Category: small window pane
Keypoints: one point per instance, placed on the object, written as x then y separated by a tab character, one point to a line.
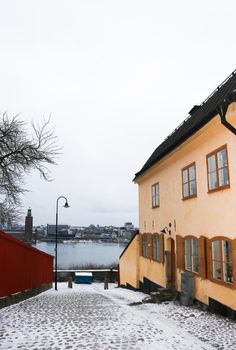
153	190
194	247
195	263
186	192
145	246
226	251
223	177
217	270
216	250
192	173
222	158
212	180
211	163
194	255
185	176
228	276
187	255
158	248
154	201
192	188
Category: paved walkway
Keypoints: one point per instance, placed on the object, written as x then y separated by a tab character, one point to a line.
89	317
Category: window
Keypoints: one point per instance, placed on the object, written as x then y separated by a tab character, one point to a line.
217	167
222	260
155	195
191	255
156	247
189	187
145	245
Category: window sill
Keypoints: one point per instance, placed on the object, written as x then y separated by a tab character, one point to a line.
156	206
219	188
223	284
194	273
189	197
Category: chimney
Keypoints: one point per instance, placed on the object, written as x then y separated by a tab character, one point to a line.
194	109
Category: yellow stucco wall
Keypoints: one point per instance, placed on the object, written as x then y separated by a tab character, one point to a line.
209	214
152	270
129	264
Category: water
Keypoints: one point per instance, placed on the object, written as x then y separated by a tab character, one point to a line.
72	254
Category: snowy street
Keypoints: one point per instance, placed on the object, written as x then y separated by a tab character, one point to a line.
89	317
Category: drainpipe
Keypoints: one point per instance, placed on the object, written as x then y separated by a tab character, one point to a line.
222	110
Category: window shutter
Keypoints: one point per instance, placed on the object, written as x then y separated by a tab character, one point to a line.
202	257
162	248
208	258
141	244
234	261
180	252
149	237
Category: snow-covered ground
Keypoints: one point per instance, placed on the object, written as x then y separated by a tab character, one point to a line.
89	317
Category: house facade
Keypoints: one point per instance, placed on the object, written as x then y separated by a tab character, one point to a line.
187	207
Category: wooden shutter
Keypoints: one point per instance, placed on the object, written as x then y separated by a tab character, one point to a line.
162	248
234	261
208	258
180	252
141	244
202	257
149	239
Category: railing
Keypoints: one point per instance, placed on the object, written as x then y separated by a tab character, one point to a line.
22	267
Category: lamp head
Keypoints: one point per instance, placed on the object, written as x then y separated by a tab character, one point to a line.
66	205
164	230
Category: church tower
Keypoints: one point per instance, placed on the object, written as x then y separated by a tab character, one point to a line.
28	226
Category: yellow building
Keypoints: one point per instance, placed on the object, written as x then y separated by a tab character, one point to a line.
187	208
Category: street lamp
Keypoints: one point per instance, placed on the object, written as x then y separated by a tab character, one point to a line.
66	205
166	229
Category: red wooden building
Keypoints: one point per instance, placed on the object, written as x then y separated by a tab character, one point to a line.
22	267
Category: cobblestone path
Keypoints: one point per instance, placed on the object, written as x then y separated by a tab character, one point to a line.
87	317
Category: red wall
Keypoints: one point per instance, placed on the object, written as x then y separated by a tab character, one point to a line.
22	266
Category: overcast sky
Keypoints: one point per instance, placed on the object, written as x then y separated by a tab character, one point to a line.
117	77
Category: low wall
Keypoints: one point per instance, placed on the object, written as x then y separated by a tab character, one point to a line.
98	275
25	294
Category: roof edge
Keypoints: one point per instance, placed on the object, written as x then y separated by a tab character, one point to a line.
137	233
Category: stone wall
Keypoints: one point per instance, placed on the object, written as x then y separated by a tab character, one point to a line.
25	294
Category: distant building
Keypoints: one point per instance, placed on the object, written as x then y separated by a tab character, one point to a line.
128	226
28	226
62	230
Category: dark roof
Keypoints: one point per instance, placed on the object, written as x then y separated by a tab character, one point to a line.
199	116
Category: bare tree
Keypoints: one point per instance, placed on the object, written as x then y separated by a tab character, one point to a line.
20	153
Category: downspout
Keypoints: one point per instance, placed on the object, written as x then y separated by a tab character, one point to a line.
222	110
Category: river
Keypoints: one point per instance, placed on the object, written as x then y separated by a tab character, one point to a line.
70	255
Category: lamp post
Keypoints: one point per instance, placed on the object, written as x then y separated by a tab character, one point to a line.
66	205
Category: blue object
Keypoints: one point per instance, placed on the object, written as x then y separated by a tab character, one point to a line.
83	277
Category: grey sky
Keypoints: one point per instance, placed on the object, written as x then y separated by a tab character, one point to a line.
117	77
